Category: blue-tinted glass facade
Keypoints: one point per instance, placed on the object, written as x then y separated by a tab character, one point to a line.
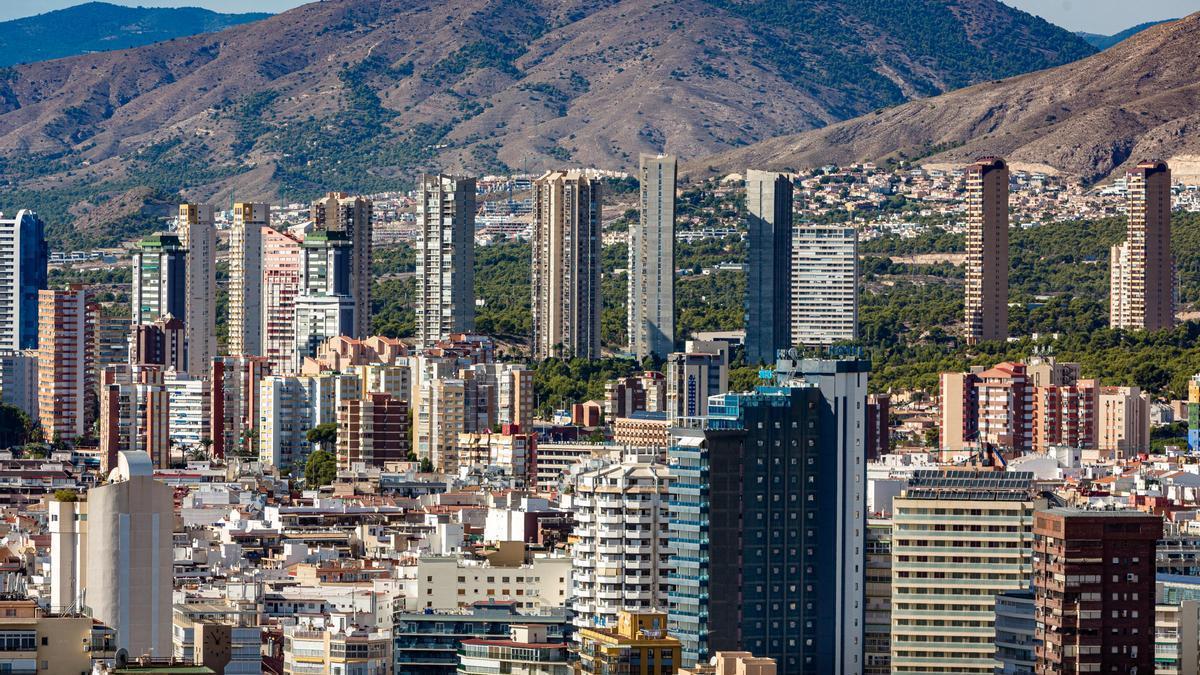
754	532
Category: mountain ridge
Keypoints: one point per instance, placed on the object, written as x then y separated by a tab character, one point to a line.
358	95
1089	118
102	26
1103	42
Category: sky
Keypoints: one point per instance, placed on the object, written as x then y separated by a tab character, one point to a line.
1094	16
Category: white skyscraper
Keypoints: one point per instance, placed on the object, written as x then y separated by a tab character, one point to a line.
652	262
445	258
198	234
824	284
246	278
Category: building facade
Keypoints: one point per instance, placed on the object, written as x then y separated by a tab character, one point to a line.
353	217
768	521
959	539
651	303
700	371
67	377
198	235
23	259
769	265
280	287
1143	270
621	557
445	258
1093	578
824	302
987	251
246	277
566	266
325	307
159	278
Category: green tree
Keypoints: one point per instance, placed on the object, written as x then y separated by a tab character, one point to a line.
320	469
15	426
426	465
323	434
66	496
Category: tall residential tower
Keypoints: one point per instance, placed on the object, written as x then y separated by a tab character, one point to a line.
652	262
769	266
352	216
246	278
987	251
566	265
445	258
1142	276
824	284
23	258
198	234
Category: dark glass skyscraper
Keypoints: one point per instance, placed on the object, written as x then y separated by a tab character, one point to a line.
767	521
23	259
769	265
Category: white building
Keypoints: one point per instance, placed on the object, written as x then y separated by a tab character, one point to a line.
116	548
450	582
289	406
189	411
621	558
700	371
824	284
445	258
198	234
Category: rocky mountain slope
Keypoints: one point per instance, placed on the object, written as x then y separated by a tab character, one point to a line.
101	26
1138	99
1105	41
361	94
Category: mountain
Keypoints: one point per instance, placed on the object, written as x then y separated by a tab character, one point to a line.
1138	99
362	94
1105	41
100	26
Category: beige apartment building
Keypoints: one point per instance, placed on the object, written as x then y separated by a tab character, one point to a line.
198	235
246	278
1142	273
566	265
1122	423
958	539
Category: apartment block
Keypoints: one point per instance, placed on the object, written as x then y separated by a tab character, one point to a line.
66	368
353	218
372	430
445	258
700	371
769	265
280	287
246	277
824	302
959	539
1093	574
621	556
23	259
1142	269
198	235
566	265
651	303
